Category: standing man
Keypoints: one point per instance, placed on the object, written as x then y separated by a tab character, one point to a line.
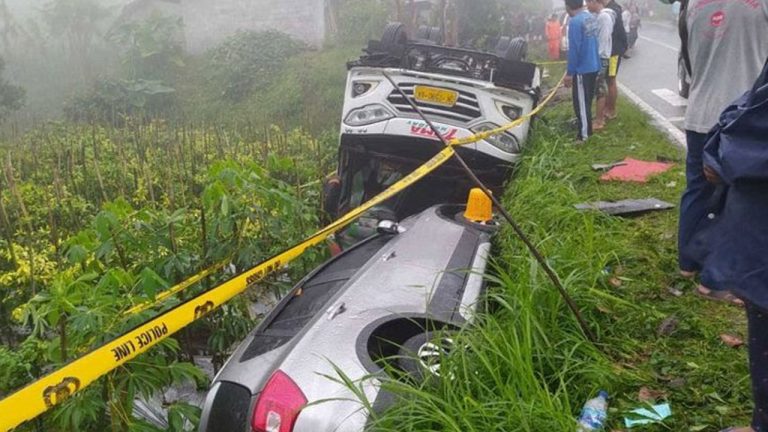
724	44
605	20
617	52
583	64
554	37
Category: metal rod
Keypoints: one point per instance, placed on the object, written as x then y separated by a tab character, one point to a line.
515	226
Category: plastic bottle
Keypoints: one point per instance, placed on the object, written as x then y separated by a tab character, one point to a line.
594	413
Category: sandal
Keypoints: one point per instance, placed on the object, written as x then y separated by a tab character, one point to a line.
721	296
688	274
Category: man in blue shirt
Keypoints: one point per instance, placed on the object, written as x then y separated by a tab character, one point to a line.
583	63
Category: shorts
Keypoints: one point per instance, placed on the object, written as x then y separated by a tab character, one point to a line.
601	87
613	67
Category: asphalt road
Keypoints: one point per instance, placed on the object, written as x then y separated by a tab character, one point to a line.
651	72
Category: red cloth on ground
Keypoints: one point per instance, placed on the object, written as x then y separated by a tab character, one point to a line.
635	170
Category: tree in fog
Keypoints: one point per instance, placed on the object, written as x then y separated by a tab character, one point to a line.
10	29
11	96
77	23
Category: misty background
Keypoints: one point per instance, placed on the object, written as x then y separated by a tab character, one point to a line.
202	60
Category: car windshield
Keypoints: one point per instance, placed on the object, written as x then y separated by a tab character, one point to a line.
366	174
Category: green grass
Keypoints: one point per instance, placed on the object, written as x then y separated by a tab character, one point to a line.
526	366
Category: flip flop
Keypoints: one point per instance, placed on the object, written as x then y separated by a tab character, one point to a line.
721	296
687	274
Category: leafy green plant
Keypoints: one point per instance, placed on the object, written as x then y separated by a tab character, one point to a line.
111	101
183	199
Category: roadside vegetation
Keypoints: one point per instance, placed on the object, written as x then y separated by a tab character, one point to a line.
526	365
153	164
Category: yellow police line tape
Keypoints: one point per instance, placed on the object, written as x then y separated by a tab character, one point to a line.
159	298
489	133
555	62
54	388
181	286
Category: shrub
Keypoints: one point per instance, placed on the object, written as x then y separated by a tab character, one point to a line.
111	101
248	61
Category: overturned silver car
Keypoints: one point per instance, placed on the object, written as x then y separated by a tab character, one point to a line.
384	304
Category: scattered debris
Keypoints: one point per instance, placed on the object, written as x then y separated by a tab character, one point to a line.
668	326
675	292
626	207
594	413
647	395
656	414
677	383
155	409
615	282
635	170
731	340
606	167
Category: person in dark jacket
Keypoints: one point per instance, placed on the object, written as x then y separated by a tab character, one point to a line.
724	45
736	160
619	47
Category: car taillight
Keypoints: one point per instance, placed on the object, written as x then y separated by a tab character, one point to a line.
278	405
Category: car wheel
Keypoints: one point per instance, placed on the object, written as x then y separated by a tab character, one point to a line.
683	86
421	356
502	46
512	49
518	50
436	35
423	32
430	34
395	38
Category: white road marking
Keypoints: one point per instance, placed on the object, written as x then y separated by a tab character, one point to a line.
676	135
661	44
670	97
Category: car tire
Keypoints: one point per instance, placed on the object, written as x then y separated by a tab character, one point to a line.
436	35
394	39
518	50
423	32
512	49
683	86
420	357
502	46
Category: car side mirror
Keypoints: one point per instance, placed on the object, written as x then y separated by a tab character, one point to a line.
331	196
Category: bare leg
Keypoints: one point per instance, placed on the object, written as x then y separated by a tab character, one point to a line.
599	122
613	95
